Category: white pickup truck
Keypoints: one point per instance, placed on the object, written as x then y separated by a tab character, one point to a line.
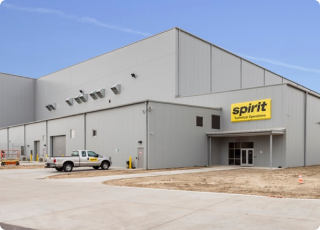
79	158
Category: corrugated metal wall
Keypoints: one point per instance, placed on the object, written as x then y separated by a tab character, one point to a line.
64	126
3	139
252	75
313	130
118	133
201	63
16	100
225	99
36	132
152	60
225	71
174	138
295	113
194	65
272	79
16	137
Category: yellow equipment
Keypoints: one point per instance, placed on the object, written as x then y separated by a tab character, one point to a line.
10	157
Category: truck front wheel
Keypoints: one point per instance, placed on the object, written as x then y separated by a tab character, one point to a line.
105	165
96	167
67	167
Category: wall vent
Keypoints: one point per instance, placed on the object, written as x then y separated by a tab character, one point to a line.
83	97
116	89
94	95
69	101
51	106
77	99
101	93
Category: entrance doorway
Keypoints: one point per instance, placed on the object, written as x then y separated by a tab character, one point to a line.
241	153
247	157
140	158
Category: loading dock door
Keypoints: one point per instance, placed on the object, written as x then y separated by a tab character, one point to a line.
58	146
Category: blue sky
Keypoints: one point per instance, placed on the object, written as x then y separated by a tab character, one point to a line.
39	37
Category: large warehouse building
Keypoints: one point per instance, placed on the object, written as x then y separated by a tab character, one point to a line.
171	100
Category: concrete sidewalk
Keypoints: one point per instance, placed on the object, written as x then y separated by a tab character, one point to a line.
57	204
100	179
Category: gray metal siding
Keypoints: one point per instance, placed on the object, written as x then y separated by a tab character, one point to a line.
313	130
36	132
3	139
16	100
225	99
152	60
252	75
295	127
174	138
16	137
272	79
194	69
60	127
225	71
118	133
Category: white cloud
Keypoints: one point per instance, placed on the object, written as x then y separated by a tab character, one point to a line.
274	62
88	20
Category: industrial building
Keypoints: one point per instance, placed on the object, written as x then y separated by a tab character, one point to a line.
170	100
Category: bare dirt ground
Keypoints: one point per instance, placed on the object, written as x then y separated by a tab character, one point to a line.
22	167
274	183
96	173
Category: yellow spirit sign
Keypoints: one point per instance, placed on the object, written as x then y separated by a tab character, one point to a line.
250	111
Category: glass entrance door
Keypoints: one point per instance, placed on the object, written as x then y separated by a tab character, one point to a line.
247	157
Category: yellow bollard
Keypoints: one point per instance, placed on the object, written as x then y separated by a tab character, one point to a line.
130	162
37	158
30	157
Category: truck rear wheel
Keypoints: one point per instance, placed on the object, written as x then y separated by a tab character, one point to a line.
67	167
59	169
105	165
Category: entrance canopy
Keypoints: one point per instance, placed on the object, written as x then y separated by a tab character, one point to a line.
252	132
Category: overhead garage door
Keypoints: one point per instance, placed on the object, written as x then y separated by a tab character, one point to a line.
58	146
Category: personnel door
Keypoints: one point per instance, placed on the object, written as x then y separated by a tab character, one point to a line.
140	158
247	157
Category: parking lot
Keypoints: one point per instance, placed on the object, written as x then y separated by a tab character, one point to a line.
29	201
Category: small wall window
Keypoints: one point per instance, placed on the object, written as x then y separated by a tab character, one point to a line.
215	122
200	121
94	132
72	133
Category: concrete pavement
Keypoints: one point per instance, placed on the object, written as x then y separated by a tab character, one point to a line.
87	204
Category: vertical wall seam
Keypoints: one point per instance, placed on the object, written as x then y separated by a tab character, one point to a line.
47	153
240	73
147	136
85	130
7	138
179	60
305	128
178	64
264	77
210	68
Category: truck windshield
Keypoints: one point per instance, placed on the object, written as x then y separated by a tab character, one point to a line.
75	154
